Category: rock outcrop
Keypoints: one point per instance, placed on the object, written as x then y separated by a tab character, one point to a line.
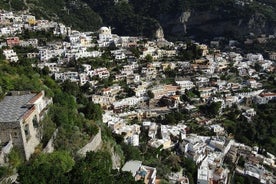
159	33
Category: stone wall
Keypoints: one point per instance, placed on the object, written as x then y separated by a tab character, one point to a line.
11	129
93	145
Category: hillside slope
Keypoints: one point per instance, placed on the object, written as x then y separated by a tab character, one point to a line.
210	18
178	18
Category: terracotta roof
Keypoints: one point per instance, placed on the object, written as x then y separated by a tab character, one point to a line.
28	113
36	97
268	94
106	89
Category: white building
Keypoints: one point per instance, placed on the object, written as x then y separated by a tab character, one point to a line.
53	67
10	55
210	170
265	98
105	34
140	172
194	147
255	57
72	76
47	54
130	101
102	73
185	84
29	42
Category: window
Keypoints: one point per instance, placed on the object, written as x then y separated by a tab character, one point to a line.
27	132
35	122
15	134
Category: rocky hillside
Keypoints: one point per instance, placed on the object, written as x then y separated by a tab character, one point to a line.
71	12
203	19
177	18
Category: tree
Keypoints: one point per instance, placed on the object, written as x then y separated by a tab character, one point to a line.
189	168
15	158
148	58
131	152
4	170
46	168
191	52
85	88
64	99
92	111
48	129
135	51
174	161
124	177
70	88
95	167
212	109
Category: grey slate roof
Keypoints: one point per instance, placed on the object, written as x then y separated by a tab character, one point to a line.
13	107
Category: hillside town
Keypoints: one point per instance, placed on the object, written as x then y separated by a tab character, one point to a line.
149	94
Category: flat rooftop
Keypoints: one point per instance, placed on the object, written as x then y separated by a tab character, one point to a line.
12	108
132	166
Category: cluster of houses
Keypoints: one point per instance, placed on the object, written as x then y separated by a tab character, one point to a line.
127	114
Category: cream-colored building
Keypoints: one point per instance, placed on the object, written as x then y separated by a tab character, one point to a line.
20	118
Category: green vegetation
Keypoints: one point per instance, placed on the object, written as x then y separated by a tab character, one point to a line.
5	5
72	13
173	118
211	110
15	159
15	5
191	52
42	36
76	119
260	131
262	48
60	167
124	18
241	179
21	76
47	168
84	171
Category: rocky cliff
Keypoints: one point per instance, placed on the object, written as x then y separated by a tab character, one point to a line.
207	19
208	24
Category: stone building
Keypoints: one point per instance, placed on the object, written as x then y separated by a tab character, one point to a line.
20	114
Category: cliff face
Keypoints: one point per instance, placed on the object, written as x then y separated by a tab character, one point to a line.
207	19
205	24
